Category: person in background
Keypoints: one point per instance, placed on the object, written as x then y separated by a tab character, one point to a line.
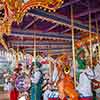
14	93
81	62
36	82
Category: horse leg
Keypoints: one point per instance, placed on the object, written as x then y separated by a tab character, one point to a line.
73	95
61	90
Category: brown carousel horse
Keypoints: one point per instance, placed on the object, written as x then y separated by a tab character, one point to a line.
65	83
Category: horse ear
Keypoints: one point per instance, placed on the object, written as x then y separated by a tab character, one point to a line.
88	67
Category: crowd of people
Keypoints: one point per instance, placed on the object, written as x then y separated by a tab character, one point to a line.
46	78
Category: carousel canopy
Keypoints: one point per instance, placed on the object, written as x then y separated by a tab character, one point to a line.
52	30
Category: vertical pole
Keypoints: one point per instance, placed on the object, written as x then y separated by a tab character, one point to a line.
90	37
35	49
17	59
50	65
97	30
73	44
35	60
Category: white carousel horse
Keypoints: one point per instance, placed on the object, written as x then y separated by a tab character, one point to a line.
20	56
84	86
23	96
23	83
96	81
46	64
28	58
50	91
11	55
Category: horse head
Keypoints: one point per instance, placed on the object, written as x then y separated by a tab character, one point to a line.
63	58
84	87
89	72
96	80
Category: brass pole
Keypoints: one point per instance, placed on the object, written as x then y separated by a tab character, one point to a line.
90	37
97	30
73	44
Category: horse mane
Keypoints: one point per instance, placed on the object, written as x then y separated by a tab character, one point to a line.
63	57
61	62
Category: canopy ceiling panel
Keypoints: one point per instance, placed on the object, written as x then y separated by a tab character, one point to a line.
53	29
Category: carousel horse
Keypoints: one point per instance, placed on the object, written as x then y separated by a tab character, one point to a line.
48	69
96	81
7	84
50	93
96	51
84	87
65	83
45	61
24	96
22	85
13	57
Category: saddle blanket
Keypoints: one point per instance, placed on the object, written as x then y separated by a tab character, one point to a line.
52	99
86	98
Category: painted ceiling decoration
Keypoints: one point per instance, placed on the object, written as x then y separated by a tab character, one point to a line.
14	10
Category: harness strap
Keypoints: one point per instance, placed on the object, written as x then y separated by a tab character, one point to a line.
96	84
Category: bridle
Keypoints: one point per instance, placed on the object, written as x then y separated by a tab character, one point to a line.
88	75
